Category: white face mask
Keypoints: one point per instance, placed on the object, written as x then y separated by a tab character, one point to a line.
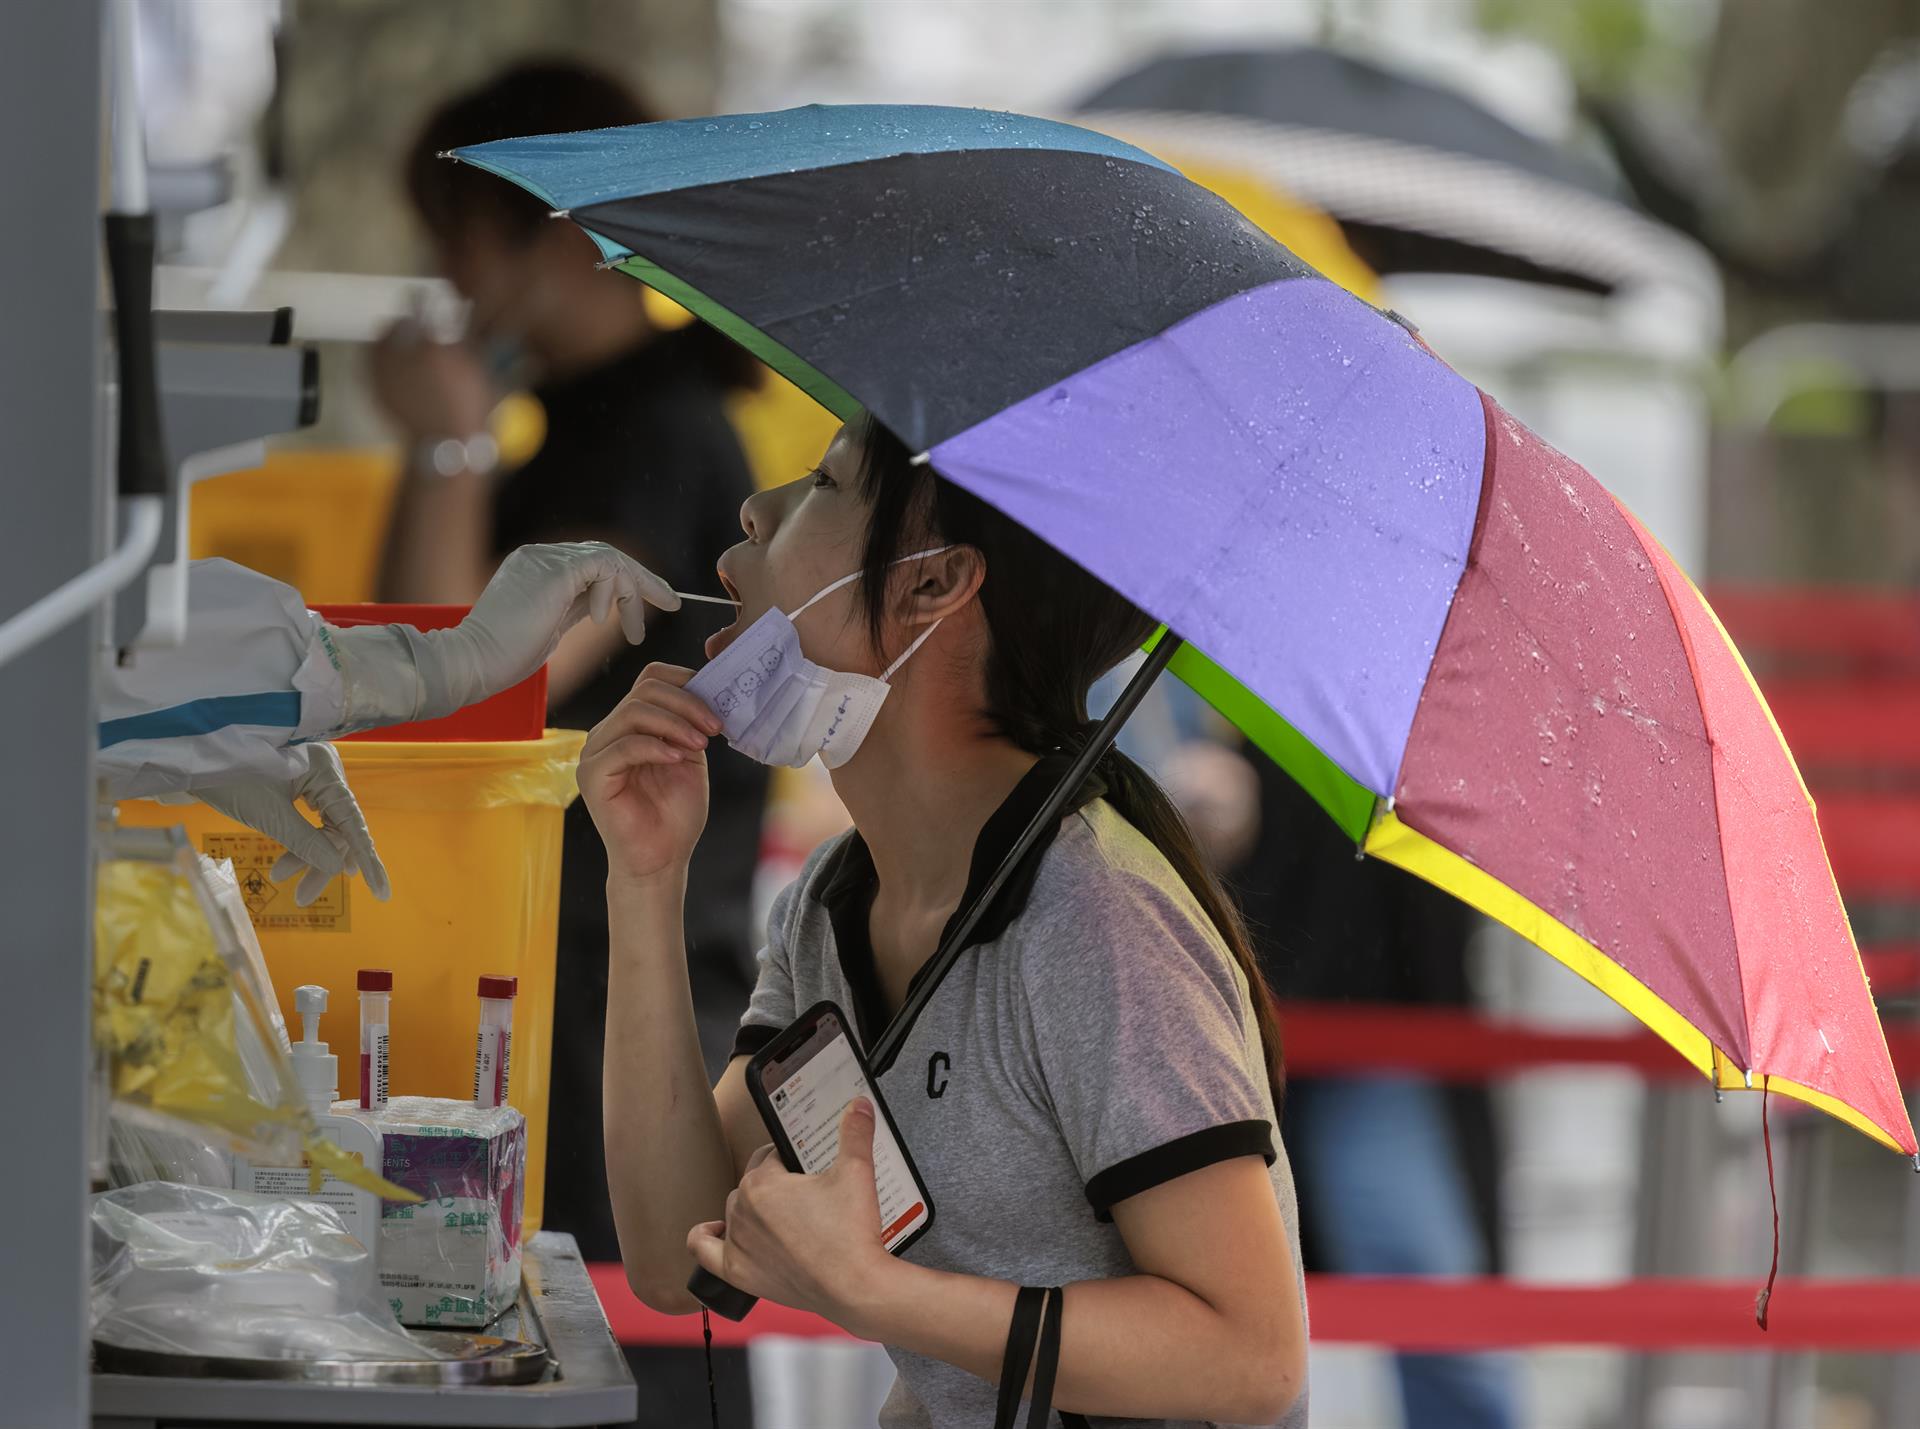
779	707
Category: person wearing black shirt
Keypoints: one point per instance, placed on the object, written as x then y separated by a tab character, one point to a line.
639	453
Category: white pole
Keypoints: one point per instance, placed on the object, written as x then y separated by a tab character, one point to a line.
129	180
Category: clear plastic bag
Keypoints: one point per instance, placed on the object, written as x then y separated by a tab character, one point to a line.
203	1271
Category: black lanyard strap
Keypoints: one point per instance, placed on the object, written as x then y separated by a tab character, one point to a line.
1013	1364
887	1046
1047	1362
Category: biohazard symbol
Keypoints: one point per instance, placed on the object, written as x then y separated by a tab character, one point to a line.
256	890
270	902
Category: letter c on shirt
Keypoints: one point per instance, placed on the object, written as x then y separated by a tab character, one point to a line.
937	1067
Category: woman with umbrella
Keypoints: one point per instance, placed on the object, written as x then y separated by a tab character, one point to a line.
1091	1090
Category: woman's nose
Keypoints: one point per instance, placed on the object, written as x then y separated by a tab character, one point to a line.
756	517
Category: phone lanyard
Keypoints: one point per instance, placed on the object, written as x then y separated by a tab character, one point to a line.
1036	1308
713	1395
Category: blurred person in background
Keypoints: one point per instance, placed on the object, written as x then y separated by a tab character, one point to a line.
638	452
1397	1175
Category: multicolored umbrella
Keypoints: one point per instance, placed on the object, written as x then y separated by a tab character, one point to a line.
1452	636
1422	178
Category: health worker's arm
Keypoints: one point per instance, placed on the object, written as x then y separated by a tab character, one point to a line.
250	679
675	1148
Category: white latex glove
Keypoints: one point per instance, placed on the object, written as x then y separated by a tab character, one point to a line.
340	842
394	673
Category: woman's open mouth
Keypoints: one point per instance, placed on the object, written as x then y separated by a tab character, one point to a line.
722	638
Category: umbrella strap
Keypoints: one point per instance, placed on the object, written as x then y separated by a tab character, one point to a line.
1773	1194
887	1045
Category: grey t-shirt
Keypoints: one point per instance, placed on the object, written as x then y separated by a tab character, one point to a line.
1098	1043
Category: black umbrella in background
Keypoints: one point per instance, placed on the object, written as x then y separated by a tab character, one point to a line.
1421	178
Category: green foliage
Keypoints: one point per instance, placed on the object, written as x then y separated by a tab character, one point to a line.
1608	45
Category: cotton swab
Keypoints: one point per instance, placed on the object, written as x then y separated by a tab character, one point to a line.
707	599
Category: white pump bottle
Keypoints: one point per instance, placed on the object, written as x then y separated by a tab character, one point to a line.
318	1072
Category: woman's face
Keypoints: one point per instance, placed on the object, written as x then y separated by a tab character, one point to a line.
802	537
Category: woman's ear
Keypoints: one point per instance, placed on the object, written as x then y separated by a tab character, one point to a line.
940	585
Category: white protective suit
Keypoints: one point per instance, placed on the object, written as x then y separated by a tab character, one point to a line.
238	715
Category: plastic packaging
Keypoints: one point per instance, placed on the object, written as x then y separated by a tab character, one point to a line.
470	834
181	1014
145	1146
376	1009
454	1259
203	1271
493	1043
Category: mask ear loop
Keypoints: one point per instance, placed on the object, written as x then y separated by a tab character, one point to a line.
847	580
920	640
886	675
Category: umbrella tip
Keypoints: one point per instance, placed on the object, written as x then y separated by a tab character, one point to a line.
1916	1161
559	213
920	460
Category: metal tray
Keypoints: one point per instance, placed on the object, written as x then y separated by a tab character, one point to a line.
474	1360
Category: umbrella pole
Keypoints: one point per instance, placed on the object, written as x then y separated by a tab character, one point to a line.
881	1055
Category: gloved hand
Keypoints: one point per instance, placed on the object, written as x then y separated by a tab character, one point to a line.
394	673
339	844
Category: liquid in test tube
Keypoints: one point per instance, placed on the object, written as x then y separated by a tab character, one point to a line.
493	1048
376	996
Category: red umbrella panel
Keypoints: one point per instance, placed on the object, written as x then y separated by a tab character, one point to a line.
1592	764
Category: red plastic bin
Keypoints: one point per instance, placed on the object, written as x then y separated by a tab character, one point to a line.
518	713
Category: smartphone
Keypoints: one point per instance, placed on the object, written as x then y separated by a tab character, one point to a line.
802	1082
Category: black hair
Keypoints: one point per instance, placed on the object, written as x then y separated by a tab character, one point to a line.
546	96
1052	629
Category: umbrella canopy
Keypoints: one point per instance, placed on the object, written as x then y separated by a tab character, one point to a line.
1450	634
1423	178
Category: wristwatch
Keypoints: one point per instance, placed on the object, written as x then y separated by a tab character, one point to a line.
449	456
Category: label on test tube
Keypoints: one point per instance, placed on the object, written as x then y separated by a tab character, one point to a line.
373	1064
493	1046
376	996
492	1065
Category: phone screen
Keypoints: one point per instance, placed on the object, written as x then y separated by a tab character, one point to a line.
810	1089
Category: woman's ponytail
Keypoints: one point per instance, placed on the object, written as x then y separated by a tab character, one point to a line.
1138	798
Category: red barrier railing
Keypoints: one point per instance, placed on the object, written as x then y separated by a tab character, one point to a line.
1814	627
1452	1045
1481	1313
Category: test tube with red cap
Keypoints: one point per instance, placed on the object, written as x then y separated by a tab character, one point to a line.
493	1050
376	995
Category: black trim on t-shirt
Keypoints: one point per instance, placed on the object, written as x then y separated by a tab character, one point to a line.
752	1037
1176	1158
847	884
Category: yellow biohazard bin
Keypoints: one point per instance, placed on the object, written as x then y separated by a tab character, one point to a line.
470	834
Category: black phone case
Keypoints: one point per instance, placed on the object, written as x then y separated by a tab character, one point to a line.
802	1027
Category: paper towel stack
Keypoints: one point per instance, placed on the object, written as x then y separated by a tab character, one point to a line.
452	1261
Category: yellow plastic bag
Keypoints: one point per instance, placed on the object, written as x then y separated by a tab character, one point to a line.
172	1007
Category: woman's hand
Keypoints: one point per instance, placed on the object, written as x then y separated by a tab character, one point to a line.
811	1242
643	773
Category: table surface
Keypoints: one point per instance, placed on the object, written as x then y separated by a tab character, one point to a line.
589	1382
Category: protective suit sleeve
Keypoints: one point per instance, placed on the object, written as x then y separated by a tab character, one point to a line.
255	675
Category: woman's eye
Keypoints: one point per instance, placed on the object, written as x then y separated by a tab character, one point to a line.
821	479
